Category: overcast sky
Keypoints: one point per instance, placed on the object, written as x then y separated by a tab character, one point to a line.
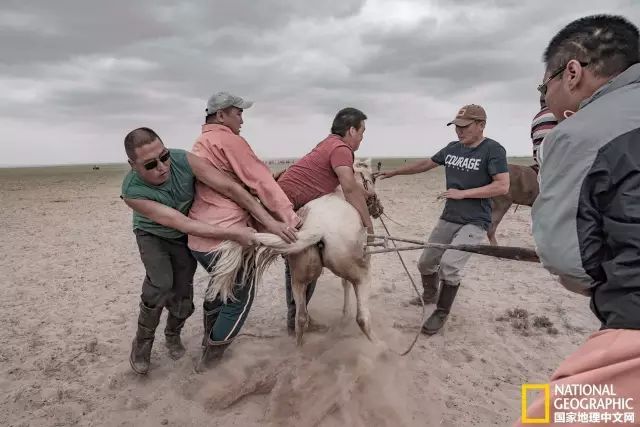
76	76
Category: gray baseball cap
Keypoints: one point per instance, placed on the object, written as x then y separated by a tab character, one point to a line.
222	100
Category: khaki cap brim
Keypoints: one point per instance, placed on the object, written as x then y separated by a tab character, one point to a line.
460	122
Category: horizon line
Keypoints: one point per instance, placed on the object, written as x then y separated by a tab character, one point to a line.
42	165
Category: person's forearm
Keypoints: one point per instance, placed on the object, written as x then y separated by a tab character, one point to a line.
485	192
219	182
246	201
255	175
287	215
356	198
413	168
197	228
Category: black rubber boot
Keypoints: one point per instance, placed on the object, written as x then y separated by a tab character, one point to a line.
140	357
436	321
429	289
211	354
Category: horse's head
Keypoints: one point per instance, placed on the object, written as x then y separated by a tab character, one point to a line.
365	177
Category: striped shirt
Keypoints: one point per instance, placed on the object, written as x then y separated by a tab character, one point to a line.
542	124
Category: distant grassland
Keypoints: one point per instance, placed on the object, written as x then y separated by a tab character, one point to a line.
274	165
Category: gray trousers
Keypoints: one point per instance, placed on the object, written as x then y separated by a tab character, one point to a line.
449	263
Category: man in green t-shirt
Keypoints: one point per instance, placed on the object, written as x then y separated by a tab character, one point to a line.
160	189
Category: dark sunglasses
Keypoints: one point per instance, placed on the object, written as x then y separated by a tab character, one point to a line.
152	164
543	87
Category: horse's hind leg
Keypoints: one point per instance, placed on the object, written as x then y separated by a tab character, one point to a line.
306	267
362	288
346	308
299	289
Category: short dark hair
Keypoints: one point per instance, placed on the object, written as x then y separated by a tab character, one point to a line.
608	43
137	138
211	118
346	119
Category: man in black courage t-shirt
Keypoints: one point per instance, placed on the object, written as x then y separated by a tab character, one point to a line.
476	170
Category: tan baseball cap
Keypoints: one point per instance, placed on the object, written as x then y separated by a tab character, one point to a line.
467	114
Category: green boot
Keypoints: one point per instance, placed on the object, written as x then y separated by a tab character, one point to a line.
436	321
140	357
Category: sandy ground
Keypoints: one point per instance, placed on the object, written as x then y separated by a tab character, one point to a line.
70	280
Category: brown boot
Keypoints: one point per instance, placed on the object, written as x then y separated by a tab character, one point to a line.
430	289
211	354
140	357
172	337
436	321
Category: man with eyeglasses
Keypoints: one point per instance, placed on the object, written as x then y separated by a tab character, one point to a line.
476	170
160	190
586	220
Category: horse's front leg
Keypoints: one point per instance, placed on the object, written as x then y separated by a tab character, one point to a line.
346	308
362	288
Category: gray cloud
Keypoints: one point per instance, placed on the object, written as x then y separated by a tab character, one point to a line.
103	67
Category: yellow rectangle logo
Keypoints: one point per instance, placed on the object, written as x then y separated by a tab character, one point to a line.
547	403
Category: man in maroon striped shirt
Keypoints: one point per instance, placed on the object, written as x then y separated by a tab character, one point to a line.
542	124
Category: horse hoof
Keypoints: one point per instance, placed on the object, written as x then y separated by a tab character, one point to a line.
314	326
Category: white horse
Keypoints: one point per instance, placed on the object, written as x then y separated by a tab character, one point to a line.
332	236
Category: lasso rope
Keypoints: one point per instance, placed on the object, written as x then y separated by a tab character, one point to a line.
415	288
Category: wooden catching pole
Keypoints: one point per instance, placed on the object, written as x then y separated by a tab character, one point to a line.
506	252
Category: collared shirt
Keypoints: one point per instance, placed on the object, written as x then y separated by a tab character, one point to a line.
232	155
314	175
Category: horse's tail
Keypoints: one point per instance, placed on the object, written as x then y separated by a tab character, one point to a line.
231	258
278	246
227	261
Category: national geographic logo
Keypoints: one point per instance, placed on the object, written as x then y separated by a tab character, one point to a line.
577	404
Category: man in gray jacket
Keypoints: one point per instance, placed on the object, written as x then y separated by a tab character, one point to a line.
586	220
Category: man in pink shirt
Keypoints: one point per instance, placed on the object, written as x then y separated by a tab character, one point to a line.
319	173
221	144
